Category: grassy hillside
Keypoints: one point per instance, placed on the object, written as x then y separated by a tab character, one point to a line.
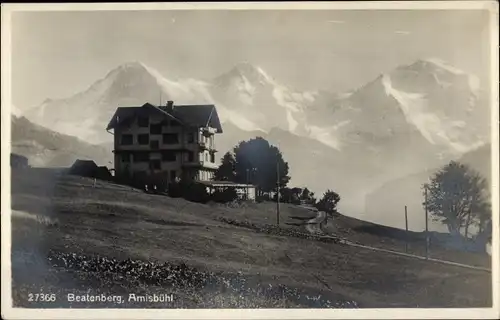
386	204
46	148
65	233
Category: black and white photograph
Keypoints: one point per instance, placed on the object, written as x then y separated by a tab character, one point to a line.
259	160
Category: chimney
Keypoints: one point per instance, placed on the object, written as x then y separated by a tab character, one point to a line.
170	106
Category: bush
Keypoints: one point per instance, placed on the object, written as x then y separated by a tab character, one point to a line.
189	190
175	190
137	180
226	195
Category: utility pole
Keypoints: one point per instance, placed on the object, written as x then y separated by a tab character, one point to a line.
406	235
247	183
426	225
278	192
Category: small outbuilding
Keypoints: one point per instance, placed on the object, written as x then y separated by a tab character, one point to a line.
89	169
18	161
244	191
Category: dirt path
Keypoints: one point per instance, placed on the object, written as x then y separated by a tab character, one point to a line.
314	227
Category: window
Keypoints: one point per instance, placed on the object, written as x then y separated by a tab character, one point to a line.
190	137
141	157
173	175
212	157
206	156
127	139
169	156
190	156
170	138
155	128
143	122
125	157
155	144
155	164
143	138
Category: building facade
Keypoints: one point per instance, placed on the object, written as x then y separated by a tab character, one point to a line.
167	143
18	161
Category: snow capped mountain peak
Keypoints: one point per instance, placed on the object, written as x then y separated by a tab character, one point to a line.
246	72
433	66
433	74
131	68
442	64
416	95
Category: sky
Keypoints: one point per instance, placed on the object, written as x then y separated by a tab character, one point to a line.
57	54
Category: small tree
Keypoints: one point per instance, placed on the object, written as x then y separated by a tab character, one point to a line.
227	169
456	196
329	202
307	196
259	163
291	195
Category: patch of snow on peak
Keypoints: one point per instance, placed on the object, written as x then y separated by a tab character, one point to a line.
185	91
227	115
324	136
285	99
412	105
309	95
264	74
432	128
440	82
246	89
444	65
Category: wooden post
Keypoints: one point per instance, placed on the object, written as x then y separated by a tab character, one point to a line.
426	226
406	235
247	186
278	193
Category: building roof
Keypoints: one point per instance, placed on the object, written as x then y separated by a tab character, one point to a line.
78	164
198	115
192	115
15	156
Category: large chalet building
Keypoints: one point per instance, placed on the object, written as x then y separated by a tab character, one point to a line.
168	142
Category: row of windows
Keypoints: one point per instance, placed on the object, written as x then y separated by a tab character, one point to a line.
156	165
167	156
144	139
143	122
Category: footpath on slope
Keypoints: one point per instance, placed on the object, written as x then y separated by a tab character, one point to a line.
314	227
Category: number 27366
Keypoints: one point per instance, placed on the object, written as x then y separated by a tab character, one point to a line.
41	297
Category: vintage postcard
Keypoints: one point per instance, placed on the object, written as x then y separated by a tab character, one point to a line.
250	160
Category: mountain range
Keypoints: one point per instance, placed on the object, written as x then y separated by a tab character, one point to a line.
411	119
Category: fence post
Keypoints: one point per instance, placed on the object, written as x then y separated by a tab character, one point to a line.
406	234
426	226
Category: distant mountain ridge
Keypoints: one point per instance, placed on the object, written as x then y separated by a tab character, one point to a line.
46	148
429	95
387	202
415	117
